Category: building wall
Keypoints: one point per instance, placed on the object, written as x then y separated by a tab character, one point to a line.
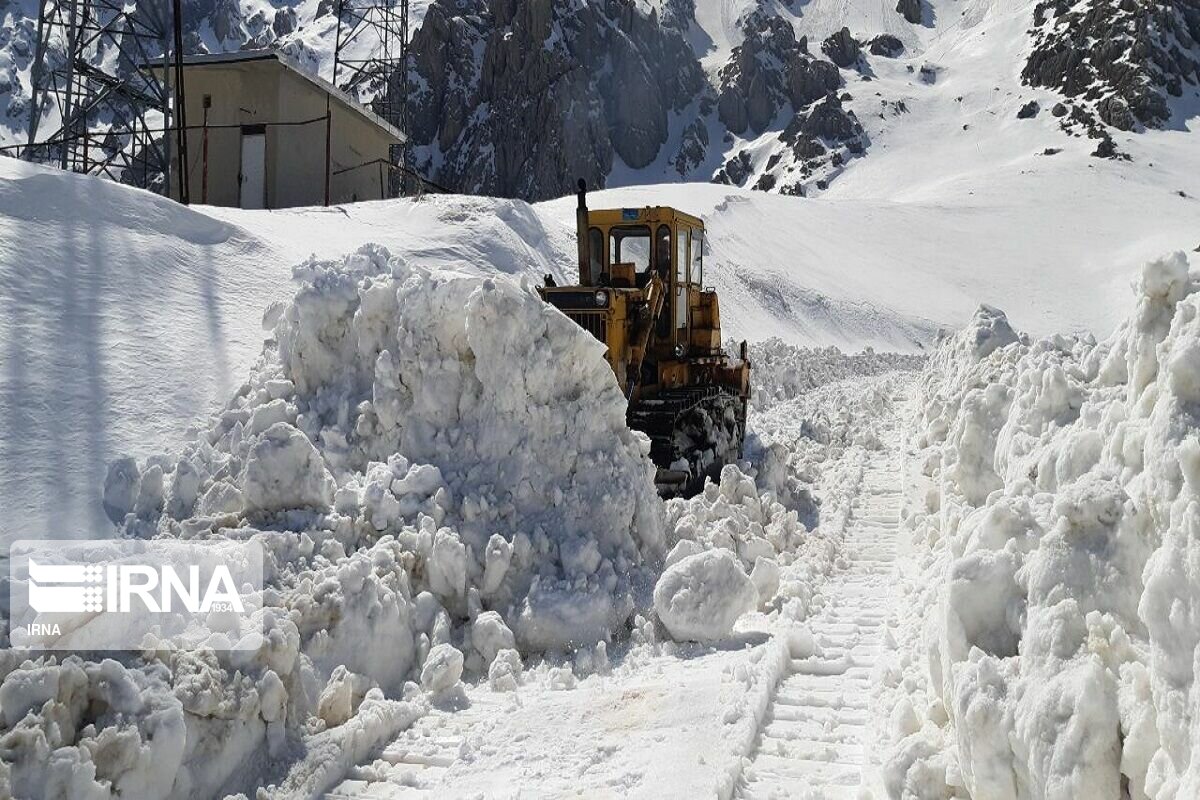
354	143
265	92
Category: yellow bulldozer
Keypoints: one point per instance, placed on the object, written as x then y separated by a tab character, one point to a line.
641	292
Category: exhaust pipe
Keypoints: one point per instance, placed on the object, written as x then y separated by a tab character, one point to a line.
581	233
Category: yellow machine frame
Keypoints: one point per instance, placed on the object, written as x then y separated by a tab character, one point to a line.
683	351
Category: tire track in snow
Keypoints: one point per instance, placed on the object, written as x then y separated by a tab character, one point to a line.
814	736
413	764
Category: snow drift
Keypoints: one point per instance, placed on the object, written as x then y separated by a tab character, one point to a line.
438	467
1057	517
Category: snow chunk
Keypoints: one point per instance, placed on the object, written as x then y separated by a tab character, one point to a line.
489	635
443	668
341	697
701	597
504	675
284	470
1049	645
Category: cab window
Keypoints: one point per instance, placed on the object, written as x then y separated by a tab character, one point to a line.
681	258
631	245
662	250
698	256
595	256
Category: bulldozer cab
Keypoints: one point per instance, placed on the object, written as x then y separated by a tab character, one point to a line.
627	247
641	292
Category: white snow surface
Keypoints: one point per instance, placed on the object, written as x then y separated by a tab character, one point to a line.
127	319
650	716
389	562
1047	647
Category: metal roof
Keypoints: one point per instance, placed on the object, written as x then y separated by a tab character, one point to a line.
207	59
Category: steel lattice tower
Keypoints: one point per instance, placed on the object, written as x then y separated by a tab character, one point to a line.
370	62
105	110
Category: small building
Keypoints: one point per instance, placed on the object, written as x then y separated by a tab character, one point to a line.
264	133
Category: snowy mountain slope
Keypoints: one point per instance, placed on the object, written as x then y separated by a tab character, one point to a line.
579	89
777	114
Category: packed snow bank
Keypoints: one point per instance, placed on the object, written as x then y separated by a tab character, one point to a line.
783	371
438	468
1056	508
460	415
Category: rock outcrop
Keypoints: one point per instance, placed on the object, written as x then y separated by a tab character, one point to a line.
842	48
911	10
1120	60
771	76
886	45
521	97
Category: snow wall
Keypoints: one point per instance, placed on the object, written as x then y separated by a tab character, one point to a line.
1051	646
433	462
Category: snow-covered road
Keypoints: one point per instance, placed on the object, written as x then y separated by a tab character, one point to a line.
817	733
779	709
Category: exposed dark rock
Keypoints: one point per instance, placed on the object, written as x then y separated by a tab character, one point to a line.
766	182
1120	59
567	88
826	120
1059	110
1029	110
886	45
285	21
735	171
768	70
810	80
1115	111
731	110
911	10
226	20
1106	149
693	147
842	48
1052	151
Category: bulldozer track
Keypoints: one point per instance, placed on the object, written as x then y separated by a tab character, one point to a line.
815	737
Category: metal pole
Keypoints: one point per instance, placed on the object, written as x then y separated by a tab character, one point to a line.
39	66
328	142
181	106
204	175
167	113
68	123
337	46
403	126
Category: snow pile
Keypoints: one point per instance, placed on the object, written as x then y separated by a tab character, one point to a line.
1050	650
438	468
461	416
735	515
782	371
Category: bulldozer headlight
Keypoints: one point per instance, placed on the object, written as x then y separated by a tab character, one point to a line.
601	298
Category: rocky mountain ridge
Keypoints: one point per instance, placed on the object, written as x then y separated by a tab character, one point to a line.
776	114
519	97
